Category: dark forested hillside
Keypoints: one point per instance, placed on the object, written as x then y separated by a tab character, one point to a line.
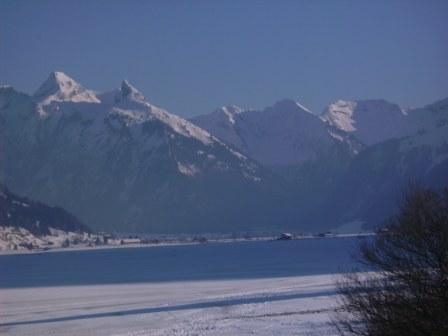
36	217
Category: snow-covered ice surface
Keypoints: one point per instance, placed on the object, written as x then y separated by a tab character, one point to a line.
299	304
275	306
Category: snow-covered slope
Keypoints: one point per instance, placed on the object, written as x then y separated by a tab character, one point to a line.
222	124
375	179
371	121
119	162
59	88
283	134
126	101
375	121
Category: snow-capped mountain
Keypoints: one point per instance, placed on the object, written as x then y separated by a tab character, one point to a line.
60	88
371	121
352	161
375	121
284	134
376	178
222	124
119	162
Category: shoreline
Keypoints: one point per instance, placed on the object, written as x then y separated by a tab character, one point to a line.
172	243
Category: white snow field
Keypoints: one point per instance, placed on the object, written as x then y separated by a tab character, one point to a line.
275	306
44	294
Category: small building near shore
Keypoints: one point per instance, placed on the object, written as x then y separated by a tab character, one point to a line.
285	236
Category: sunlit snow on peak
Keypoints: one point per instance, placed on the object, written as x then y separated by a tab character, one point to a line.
61	88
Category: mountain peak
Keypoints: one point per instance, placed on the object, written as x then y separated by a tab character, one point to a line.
61	77
370	120
230	109
229	112
290	105
129	91
60	87
56	81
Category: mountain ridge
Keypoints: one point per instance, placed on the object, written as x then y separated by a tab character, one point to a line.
121	163
282	134
127	164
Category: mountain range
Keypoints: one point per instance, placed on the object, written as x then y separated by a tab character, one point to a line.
120	163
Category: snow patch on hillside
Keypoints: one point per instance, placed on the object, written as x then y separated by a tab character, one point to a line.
230	111
340	114
187	169
371	121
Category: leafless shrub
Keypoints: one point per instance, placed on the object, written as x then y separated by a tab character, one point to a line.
407	292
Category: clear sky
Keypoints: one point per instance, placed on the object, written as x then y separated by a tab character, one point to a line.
192	56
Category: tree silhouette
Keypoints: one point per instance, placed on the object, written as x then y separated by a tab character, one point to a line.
407	291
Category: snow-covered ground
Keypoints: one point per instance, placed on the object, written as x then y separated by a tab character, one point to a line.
19	240
271	306
241	288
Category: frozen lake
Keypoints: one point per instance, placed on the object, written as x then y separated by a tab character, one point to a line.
240	260
263	288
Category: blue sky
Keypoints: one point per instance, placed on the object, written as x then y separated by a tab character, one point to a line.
192	56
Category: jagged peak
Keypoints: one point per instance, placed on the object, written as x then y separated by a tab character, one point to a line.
62	78
56	81
60	87
349	107
373	120
128	91
365	103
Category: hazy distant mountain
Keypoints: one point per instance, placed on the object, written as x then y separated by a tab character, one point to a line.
353	161
374	121
375	179
371	121
281	135
121	163
429	118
